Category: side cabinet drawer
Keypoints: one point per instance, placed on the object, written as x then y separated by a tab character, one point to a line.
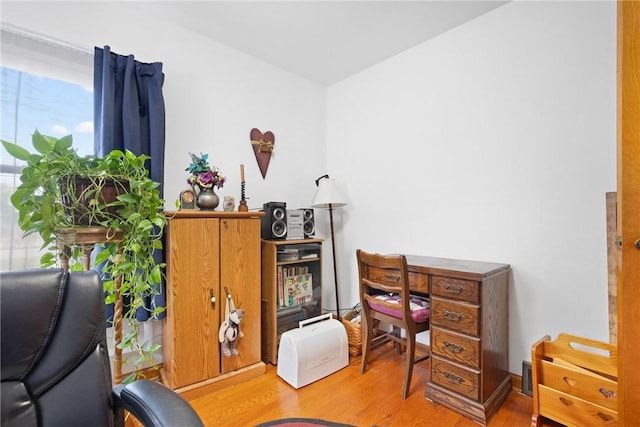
458	348
456	316
465	382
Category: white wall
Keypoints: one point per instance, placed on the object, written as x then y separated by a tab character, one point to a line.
493	142
214	96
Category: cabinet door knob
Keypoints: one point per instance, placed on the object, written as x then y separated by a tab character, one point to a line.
213	299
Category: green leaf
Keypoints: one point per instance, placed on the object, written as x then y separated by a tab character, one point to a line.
157	312
47	206
40	143
155	276
16	151
63	144
130	378
140	360
128	198
101	257
126	265
18	198
48	258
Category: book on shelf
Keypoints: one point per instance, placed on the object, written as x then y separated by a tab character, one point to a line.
280	287
295	286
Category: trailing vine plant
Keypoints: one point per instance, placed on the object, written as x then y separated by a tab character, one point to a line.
50	197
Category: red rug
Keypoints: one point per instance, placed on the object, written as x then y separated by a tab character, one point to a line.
301	422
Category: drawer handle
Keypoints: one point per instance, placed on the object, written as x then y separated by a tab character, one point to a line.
451	315
453	378
607	393
454	347
604	417
453	289
565	401
393	278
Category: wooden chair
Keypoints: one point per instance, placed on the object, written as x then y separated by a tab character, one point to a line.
384	295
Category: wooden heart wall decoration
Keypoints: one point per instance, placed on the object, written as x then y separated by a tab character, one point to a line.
263	148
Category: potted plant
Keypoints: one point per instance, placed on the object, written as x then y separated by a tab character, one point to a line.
61	189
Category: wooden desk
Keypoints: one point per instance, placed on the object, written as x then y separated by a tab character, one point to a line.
420	267
469	334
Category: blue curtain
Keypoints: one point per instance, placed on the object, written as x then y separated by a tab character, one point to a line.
129	114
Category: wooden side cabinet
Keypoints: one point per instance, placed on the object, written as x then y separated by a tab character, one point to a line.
291	288
206	253
469	335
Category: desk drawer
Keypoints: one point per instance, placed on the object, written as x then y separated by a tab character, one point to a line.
456	316
456	347
465	382
387	276
418	282
464	290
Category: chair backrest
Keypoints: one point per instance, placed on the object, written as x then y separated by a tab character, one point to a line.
54	356
384	274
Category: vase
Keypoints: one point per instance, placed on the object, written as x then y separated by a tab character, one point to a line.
229	204
207	199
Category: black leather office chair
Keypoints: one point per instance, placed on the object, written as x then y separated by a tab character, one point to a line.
55	362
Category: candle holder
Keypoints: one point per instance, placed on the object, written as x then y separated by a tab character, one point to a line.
242	206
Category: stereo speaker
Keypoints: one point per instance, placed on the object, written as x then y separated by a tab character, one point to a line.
309	225
274	222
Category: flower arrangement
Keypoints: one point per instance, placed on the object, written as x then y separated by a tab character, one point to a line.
202	174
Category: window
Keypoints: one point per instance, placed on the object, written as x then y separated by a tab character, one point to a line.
44	86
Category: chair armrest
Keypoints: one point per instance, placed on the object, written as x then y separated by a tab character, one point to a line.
153	404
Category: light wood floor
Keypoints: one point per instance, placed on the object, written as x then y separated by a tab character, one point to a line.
368	400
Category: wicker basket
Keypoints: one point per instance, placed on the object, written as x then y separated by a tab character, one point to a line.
354	333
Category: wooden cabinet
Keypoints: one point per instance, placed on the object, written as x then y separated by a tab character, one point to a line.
469	334
288	268
206	253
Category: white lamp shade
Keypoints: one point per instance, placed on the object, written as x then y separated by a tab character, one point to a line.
327	195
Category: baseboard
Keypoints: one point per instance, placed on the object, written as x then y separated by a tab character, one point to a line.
212	385
516	382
